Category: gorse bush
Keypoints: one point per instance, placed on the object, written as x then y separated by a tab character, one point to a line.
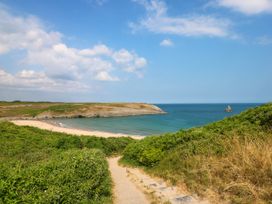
39	166
73	176
212	160
69	142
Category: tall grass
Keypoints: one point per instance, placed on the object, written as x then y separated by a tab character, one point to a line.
243	175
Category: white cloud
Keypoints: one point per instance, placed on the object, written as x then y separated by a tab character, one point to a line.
30	79
99	49
104	76
249	7
47	51
158	21
23	33
140	62
264	40
63	62
167	43
129	61
123	56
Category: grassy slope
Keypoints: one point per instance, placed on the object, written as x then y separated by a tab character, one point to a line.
38	166
228	160
33	109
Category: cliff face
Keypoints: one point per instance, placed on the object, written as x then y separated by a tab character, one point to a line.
75	110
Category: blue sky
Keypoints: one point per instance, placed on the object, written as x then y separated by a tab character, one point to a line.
178	51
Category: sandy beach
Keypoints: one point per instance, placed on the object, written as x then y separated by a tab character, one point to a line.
52	127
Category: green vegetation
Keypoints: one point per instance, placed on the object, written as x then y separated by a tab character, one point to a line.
32	109
39	166
45	110
226	160
229	160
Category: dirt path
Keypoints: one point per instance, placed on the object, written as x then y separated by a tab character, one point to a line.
133	186
125	191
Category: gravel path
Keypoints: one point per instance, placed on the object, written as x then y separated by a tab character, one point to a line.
125	191
133	186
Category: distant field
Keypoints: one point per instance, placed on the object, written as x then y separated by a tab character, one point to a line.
43	110
26	109
38	166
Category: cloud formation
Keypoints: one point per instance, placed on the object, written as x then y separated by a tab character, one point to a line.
32	80
58	62
158	21
249	7
166	43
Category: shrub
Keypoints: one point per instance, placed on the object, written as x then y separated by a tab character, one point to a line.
108	145
69	142
39	166
74	176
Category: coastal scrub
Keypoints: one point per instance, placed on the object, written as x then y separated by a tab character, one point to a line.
40	166
229	160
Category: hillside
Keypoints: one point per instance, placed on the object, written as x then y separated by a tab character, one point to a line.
229	161
39	166
47	110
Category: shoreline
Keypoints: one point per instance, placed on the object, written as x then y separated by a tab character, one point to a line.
74	131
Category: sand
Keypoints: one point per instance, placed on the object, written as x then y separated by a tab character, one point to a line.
51	127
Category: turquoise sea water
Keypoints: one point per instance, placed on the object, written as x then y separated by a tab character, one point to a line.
179	116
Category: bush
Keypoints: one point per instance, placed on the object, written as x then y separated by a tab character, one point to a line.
108	145
74	176
69	142
39	166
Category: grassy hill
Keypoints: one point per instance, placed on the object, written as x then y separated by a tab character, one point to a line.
46	110
39	166
229	160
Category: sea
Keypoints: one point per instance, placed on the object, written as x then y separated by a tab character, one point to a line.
178	116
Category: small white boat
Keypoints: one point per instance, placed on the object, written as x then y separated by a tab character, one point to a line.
228	109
